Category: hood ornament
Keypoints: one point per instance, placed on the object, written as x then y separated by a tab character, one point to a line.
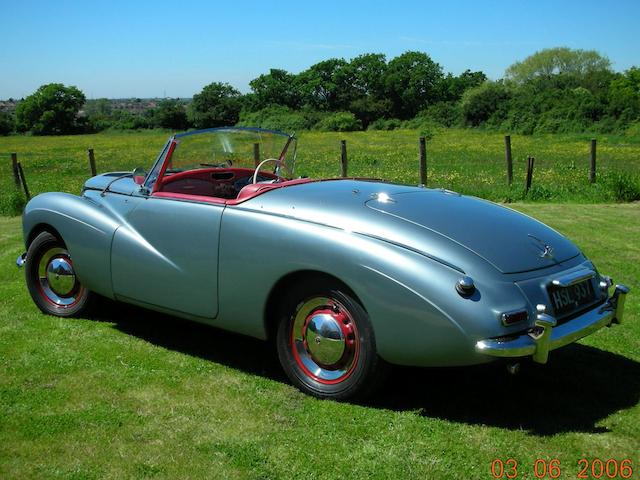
546	250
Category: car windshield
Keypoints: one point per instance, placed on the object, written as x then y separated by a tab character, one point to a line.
235	147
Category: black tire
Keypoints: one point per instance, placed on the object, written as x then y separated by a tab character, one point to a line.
57	293
358	371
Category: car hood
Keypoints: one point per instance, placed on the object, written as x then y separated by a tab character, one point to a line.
440	224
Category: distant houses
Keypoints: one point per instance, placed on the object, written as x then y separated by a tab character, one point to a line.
131	105
8	105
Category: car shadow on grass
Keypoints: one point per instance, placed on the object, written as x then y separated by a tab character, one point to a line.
203	341
575	391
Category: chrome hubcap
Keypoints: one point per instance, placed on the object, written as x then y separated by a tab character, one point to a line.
324	339
60	276
57	278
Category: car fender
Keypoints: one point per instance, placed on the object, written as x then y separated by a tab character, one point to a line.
257	250
86	227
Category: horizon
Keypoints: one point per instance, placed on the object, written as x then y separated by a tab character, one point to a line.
123	51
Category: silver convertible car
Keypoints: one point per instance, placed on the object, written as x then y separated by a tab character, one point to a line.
346	276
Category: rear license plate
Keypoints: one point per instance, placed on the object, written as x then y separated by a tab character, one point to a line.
567	300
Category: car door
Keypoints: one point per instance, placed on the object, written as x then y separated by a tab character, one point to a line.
166	255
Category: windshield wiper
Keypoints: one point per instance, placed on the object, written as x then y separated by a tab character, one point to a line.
226	164
106	189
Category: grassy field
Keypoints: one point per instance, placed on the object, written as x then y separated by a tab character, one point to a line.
132	394
468	161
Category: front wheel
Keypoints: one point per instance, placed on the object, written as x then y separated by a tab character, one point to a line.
51	278
326	343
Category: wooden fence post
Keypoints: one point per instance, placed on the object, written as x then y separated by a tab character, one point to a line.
343	157
92	162
14	166
530	163
24	182
256	154
423	161
592	171
507	154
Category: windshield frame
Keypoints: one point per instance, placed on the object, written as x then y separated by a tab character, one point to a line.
164	158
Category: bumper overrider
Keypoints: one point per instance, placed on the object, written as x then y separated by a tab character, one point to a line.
546	336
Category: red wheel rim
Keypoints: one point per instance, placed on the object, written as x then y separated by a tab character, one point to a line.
56	279
324	340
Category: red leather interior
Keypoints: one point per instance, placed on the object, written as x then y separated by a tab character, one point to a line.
185	196
217	185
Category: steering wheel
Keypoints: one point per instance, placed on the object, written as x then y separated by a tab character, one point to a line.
255	174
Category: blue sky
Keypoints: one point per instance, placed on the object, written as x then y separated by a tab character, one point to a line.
173	48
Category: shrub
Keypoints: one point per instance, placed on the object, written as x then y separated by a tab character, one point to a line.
340	122
446	114
481	103
12	203
385	124
217	105
281	118
170	114
624	187
633	130
426	127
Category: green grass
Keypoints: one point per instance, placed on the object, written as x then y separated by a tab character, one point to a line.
132	394
469	161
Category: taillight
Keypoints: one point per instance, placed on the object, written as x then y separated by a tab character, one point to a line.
511	318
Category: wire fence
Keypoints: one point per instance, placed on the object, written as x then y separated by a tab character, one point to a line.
577	169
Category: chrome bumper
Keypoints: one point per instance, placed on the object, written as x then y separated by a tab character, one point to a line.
545	336
21	259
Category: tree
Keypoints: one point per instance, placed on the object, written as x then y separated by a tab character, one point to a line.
170	114
624	94
6	123
411	82
367	109
452	87
51	110
367	75
217	105
558	61
327	85
278	87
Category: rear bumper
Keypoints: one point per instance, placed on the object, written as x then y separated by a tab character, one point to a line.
545	336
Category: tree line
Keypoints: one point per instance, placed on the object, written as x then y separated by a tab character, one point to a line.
552	91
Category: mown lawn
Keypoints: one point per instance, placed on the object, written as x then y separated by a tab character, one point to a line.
133	394
468	161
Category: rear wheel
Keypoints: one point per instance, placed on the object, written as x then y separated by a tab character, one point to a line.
52	280
326	343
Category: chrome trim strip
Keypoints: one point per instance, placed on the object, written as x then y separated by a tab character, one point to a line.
544	337
574	277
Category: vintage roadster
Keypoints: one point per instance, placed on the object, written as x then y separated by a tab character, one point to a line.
345	275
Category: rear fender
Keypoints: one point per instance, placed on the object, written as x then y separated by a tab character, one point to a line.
257	250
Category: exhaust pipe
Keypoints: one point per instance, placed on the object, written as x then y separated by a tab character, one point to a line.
513	368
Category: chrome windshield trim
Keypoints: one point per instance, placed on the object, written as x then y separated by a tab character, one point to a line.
573	278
